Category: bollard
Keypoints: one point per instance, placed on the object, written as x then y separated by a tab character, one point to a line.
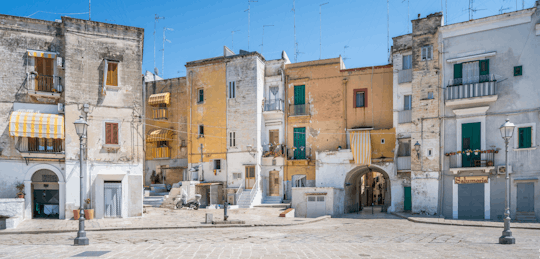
225	216
209	218
372	204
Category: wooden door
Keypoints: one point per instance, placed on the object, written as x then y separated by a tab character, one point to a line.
273	137
273	184
470	133
250	177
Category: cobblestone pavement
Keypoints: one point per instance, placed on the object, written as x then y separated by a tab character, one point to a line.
354	236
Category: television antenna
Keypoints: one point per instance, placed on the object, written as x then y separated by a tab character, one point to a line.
262	44
294	23
232	37
408	16
472	10
320	29
156	19
249	16
163	51
501	11
344	49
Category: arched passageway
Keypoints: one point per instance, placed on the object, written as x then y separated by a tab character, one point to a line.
45	195
366	186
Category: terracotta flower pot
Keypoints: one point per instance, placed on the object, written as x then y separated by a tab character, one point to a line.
21	195
76	214
89	214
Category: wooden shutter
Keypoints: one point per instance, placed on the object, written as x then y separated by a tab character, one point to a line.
108	135
484	70
300	143
114	133
48	66
299	94
458	71
525	140
112	73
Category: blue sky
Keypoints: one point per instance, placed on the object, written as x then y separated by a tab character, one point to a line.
202	28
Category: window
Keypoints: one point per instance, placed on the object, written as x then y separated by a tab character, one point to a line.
471	72
112	73
200	98
382	141
201	131
232	139
273	137
407	105
430	95
237	175
407	62
44	145
427	52
162	144
111	133
524	137
518	71
360	98
183	143
430	152
217	164
404	148
44	66
232	89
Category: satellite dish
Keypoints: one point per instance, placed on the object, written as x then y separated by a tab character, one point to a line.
156	71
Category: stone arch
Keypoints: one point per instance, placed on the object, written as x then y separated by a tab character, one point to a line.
353	181
28	188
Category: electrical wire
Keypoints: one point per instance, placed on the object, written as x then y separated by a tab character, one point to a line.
55	13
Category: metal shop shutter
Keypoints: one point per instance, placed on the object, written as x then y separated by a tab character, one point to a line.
113	199
316	206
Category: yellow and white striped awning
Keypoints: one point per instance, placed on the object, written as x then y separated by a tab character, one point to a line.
156	99
36	125
159	135
41	54
361	146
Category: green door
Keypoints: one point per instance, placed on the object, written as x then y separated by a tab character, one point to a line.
484	70
299	99
470	134
300	143
407	203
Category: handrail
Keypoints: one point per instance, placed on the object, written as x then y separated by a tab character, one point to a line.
254	190
239	191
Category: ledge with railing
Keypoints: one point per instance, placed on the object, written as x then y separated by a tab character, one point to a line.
160	113
405	116
298	109
160	152
273	105
45	83
404	163
469	87
405	76
300	153
472	159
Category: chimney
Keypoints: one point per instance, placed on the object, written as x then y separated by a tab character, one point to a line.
418	16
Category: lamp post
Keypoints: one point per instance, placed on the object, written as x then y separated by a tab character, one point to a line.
507	129
80	127
417	148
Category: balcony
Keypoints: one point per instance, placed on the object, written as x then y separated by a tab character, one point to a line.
404	163
405	76
405	116
301	153
161	113
45	86
40	148
298	109
477	160
159	153
273	105
471	90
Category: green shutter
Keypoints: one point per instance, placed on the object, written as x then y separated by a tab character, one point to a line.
407	203
525	140
484	70
299	94
458	71
300	143
470	134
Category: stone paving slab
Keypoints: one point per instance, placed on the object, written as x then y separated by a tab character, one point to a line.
470	223
161	218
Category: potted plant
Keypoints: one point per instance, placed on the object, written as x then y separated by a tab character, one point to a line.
88	212
76	214
476	152
459	152
20	188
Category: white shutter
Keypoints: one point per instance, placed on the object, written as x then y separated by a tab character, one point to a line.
105	68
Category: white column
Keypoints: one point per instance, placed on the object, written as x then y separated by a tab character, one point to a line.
62	202
487	198
455	200
27	199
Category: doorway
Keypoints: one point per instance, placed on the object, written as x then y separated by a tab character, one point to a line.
525	197
45	195
113	199
273	183
471	201
470	133
250	177
407	202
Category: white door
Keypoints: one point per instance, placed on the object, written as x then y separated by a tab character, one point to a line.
113	199
316	206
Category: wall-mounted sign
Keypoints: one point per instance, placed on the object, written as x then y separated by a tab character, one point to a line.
471	179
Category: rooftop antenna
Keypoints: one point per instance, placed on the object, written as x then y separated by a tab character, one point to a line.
388	27
408	16
344	49
232	37
320	29
89	9
472	10
294	22
262	44
163	53
249	16
502	9
446	11
156	19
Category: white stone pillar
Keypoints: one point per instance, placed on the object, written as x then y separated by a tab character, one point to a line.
27	199
62	201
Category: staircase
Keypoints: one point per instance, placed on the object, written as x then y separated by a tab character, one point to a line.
158	193
271	200
249	198
525	217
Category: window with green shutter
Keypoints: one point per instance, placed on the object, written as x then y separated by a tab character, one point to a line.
484	70
518	71
200	98
299	94
524	137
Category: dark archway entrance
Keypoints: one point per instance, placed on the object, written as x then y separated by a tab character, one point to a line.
45	195
367	185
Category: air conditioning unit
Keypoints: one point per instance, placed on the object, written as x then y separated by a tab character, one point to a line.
61	108
502	169
59	62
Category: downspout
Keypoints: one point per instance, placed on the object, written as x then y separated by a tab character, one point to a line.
286	131
345	110
144	128
190	143
441	135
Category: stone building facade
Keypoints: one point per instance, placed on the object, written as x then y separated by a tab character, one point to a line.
52	73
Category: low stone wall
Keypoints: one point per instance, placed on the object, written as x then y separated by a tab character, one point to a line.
11	212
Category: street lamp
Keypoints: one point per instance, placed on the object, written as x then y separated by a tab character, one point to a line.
507	129
80	127
417	148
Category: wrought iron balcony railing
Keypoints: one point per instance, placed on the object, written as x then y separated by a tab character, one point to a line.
160	113
474	158
298	109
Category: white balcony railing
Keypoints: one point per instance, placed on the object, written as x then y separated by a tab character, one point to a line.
405	116
273	105
404	163
477	86
405	76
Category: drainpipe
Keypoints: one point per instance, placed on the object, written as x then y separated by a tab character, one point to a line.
286	108
441	135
